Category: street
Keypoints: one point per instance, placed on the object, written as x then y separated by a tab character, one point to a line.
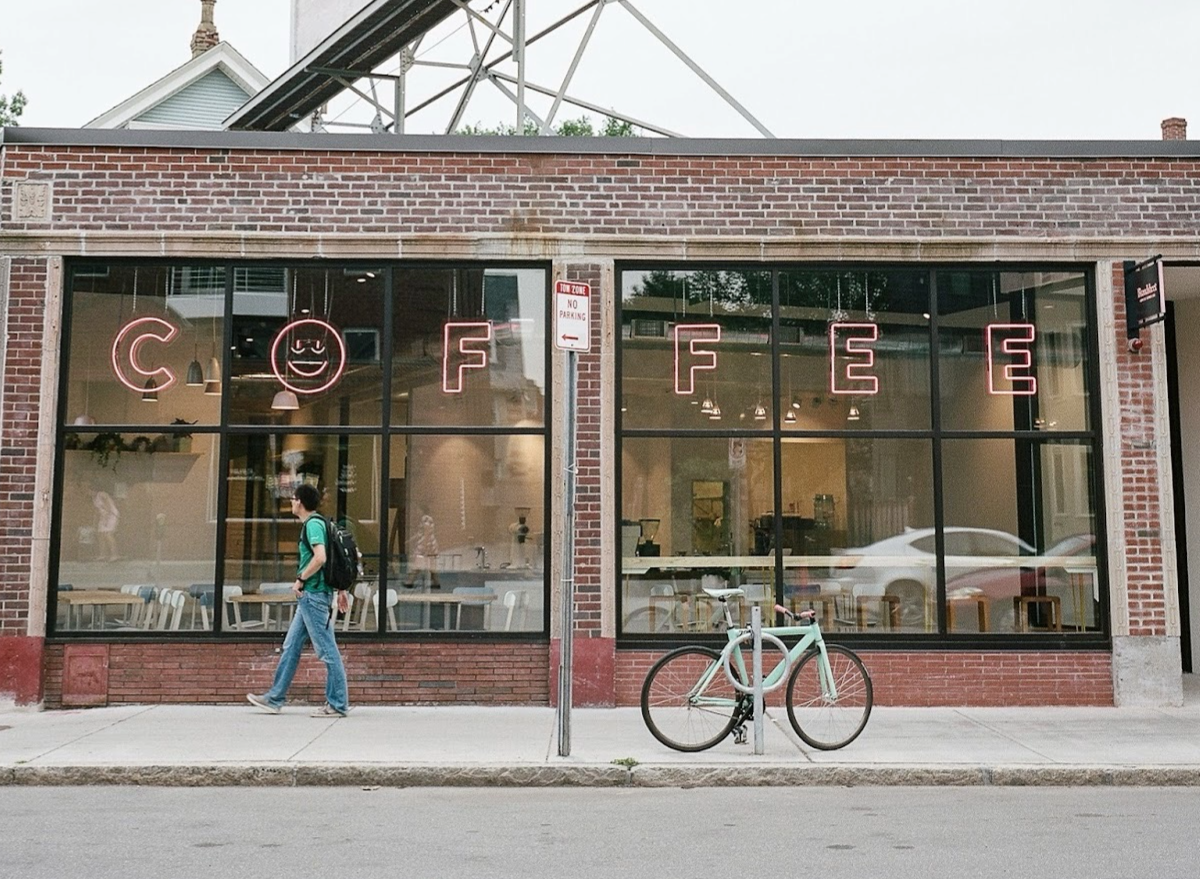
131	832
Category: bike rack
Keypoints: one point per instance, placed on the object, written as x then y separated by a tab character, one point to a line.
757	636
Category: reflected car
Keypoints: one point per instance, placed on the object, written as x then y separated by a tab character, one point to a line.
1000	585
905	566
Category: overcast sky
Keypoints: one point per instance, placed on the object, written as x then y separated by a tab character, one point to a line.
1017	69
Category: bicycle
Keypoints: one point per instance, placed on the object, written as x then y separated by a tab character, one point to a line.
690	701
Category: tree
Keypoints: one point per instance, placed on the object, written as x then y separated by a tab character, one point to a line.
10	108
581	127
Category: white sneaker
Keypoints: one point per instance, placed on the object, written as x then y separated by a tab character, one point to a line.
261	702
327	710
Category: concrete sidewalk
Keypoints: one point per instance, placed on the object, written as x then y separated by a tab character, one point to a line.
408	746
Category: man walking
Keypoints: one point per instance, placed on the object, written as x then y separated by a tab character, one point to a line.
314	616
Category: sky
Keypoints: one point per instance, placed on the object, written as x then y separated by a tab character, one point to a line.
881	69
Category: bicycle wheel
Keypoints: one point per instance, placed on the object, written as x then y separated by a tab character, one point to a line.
824	723
676	716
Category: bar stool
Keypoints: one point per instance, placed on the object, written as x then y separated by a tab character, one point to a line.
1022	603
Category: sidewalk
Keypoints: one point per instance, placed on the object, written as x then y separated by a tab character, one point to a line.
411	746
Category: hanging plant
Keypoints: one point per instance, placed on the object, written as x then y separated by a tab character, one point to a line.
106	447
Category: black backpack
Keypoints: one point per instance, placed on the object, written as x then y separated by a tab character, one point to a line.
341	555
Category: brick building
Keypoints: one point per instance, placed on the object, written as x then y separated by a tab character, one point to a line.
888	381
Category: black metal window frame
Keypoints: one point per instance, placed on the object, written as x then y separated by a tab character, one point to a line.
936	434
222	432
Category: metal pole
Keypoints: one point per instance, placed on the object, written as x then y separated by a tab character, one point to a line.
568	564
756	628
519	57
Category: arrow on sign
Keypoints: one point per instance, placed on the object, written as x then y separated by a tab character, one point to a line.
567	338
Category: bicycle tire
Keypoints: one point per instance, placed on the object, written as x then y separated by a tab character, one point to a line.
823	724
667	710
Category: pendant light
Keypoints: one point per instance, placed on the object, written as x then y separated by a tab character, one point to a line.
285	400
790	417
212	381
150	391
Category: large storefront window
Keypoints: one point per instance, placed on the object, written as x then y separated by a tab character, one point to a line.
854	472
196	399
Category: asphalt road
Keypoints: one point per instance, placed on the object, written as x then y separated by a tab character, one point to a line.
291	833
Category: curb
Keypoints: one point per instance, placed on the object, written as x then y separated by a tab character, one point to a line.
648	776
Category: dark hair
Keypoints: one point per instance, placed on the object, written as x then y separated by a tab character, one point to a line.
308	496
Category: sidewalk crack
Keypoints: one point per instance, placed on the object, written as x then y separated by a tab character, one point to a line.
81	737
1003	735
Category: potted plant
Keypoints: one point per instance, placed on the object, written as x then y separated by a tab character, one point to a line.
182	441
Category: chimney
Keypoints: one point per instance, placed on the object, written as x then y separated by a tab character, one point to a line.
1174	128
206	35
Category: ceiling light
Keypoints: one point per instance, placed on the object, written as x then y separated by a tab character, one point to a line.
150	391
195	375
852	415
285	401
790	417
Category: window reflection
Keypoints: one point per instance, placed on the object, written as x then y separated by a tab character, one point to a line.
306	347
1011	549
139	517
696	350
466	538
143	343
469	347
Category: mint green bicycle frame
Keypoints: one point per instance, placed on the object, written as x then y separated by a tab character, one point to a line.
809	635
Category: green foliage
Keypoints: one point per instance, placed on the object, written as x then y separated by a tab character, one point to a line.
11	108
581	127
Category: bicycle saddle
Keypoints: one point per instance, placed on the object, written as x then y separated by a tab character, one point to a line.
722	594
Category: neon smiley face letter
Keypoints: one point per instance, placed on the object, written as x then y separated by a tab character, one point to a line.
1015	341
136	333
695	359
854	343
313	356
457	354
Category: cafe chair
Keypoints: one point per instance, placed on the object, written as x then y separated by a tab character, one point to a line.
472	590
514	602
202	599
171	603
360	602
392	600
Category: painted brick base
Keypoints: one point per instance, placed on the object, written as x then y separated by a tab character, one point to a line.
21	669
946	678
377	673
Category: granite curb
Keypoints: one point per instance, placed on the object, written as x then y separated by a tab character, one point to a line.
596	775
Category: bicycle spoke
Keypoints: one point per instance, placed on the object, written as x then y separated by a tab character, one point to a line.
679	716
819	718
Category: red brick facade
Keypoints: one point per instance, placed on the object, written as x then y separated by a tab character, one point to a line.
581	211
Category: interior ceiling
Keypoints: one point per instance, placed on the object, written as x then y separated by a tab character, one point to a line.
1182	282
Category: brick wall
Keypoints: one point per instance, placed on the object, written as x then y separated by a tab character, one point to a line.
410	673
947	678
177	196
18	441
192	190
1141	513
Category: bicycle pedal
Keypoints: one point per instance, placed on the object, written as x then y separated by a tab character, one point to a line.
739	735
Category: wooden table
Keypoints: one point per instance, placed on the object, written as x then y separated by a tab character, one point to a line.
446	599
79	598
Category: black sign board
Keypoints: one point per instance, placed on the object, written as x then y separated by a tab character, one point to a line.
1145	298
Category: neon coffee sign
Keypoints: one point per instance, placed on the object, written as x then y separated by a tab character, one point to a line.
459	353
852	357
127	349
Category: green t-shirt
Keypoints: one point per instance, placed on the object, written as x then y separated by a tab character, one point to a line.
315	529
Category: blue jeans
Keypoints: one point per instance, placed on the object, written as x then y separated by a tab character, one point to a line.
313	621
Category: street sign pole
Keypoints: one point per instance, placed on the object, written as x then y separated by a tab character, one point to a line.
572	334
568	564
